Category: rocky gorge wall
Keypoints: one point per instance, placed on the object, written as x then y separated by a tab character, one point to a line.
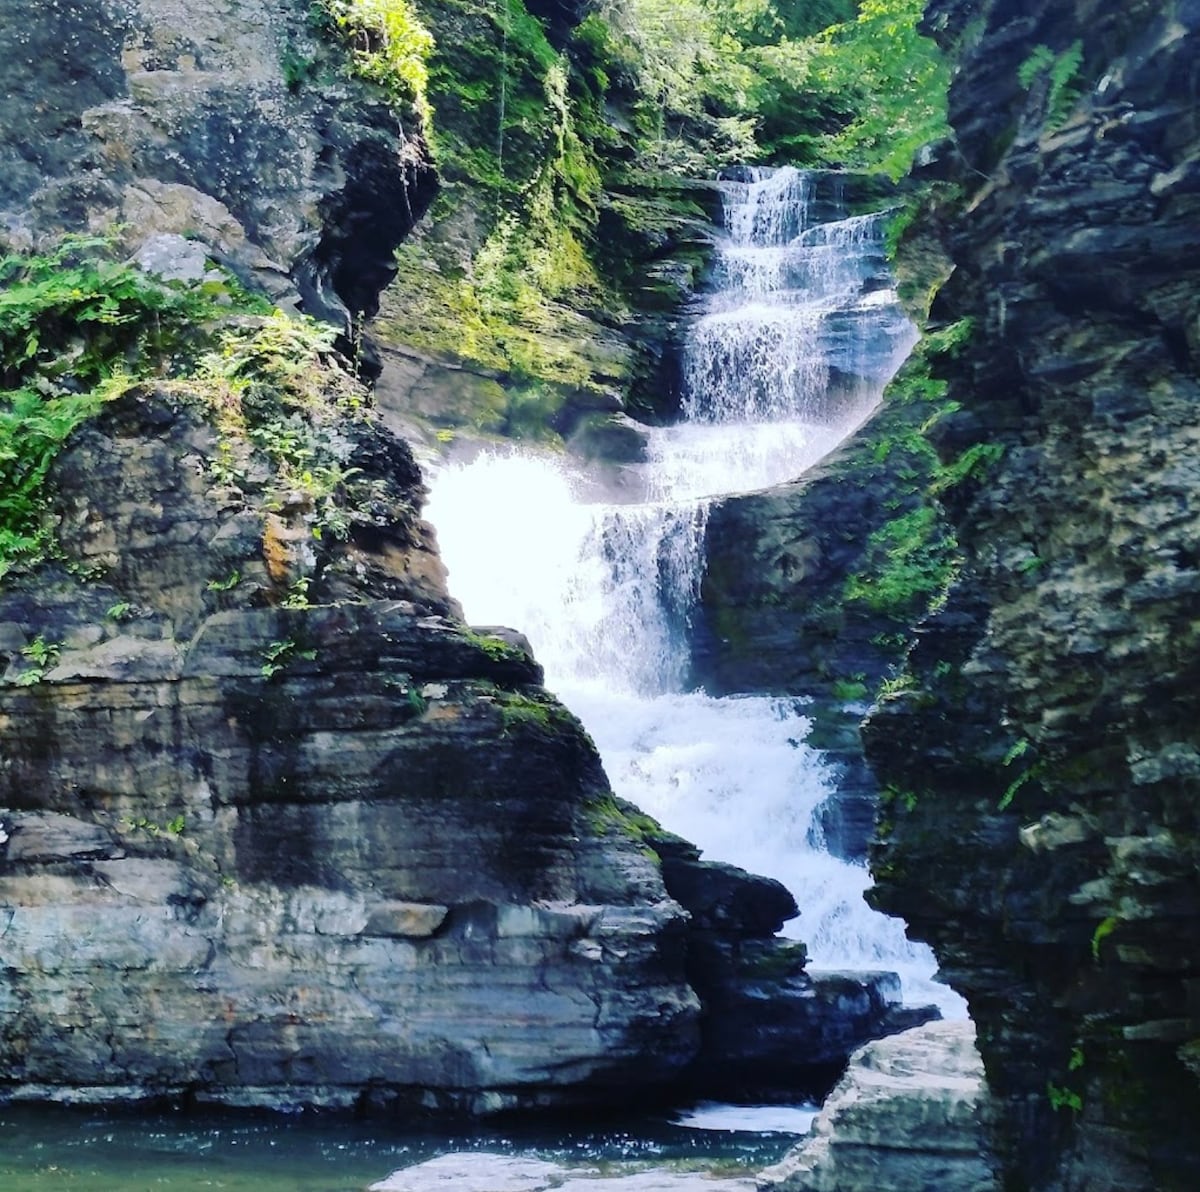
1043	763
276	827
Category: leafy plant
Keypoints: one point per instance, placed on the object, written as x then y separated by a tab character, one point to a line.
388	43
1063	1098
77	330
888	79
227	584
909	560
43	655
1061	73
1104	929
297	596
279	654
1018	750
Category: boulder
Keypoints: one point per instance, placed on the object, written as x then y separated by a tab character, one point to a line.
907	1116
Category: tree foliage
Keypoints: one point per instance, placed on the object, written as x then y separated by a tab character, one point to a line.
823	81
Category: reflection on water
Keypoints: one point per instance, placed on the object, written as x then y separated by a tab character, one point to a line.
109	1151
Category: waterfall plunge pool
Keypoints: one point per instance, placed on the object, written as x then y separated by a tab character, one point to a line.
91	1150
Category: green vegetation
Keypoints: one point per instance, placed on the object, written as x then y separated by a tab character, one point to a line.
1063	1098
276	387
606	813
175	826
912	558
388	44
1104	929
1033	770
80	328
77	329
539	713
280	654
559	159
811	83
888	84
909	559
42	656
849	691
496	648
1061	76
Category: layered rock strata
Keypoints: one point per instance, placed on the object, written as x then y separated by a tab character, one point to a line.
276	855
340	850
1044	830
907	1116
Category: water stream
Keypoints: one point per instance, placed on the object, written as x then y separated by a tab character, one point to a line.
790	353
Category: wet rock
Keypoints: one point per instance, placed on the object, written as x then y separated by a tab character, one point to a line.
1046	844
907	1116
770	1029
510	1173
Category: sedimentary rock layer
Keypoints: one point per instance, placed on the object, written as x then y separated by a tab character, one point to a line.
1046	762
907	1116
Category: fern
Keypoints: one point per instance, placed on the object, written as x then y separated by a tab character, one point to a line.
1063	81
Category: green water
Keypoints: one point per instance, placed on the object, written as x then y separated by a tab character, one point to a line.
101	1151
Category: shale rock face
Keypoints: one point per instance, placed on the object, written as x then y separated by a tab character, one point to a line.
264	855
189	119
769	1028
1047	846
907	1116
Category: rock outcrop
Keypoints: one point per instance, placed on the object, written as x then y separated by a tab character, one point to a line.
1046	839
769	1028
336	854
907	1116
188	119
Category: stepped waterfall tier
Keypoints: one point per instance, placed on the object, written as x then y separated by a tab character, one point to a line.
790	351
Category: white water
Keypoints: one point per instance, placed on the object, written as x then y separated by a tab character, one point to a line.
791	353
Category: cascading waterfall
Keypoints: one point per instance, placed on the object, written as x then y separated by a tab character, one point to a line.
792	351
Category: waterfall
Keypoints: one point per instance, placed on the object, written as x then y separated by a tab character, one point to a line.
790	353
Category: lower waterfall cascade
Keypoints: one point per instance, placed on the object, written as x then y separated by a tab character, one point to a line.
791	352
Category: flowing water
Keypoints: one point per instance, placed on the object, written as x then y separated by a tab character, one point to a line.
790	353
50	1150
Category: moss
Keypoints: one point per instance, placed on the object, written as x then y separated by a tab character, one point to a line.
776	965
911	559
388	46
496	648
606	814
541	714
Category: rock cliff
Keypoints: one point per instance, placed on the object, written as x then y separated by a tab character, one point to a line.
276	827
187	119
1042	831
343	852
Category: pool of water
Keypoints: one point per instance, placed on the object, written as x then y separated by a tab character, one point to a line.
109	1151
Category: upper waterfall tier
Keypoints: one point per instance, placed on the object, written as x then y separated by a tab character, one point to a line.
802	322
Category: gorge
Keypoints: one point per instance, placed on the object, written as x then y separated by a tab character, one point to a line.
279	830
